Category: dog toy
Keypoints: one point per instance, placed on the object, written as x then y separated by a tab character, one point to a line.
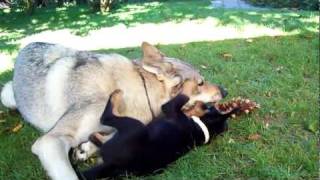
243	106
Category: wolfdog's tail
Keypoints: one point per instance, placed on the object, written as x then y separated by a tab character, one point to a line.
7	97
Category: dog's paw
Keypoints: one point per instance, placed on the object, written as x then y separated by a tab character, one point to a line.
84	151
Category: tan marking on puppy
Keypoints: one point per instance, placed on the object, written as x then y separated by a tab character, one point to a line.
196	110
118	105
207	93
99	136
204	93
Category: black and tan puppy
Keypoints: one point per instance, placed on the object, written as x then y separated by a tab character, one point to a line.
138	148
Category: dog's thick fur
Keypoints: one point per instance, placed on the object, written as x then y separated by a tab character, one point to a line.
62	92
138	148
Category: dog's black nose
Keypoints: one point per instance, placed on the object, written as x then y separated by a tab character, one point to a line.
223	91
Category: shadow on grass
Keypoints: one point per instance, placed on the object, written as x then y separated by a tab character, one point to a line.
80	20
4	77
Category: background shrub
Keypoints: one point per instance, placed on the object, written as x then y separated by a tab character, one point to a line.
299	4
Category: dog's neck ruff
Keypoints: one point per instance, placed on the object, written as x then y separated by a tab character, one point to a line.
203	128
139	69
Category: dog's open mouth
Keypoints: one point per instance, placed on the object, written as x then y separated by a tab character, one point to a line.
216	98
236	106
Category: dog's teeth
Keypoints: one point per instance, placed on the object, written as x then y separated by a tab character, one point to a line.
258	106
246	111
233	115
247	100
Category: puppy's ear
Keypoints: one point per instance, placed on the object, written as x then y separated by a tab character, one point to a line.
151	54
199	109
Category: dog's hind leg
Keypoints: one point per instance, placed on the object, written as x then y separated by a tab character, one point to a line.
72	129
53	153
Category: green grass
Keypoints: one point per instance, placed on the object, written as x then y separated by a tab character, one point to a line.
280	73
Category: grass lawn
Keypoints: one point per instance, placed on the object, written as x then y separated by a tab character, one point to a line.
280	73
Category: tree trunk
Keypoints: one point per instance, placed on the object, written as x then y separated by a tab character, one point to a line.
5	3
79	2
30	6
60	3
106	5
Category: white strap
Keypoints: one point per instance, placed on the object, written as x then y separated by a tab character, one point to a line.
203	128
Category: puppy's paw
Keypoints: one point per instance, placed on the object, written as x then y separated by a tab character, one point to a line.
84	151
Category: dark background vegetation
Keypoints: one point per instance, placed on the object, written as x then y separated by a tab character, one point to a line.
298	4
30	6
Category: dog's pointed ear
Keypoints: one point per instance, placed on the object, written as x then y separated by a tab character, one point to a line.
151	54
175	81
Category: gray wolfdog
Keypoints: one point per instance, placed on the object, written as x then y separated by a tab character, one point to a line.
63	92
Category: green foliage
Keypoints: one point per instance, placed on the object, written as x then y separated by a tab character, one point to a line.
80	20
299	4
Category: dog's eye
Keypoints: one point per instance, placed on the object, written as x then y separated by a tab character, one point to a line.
200	83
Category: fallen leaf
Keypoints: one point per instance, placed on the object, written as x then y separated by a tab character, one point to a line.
268	93
249	40
1	114
308	36
92	160
203	66
266	121
231	141
279	69
312	125
2	120
17	128
227	56
254	137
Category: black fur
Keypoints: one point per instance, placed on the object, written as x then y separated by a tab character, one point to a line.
138	148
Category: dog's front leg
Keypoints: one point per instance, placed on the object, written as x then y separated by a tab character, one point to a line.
53	154
72	129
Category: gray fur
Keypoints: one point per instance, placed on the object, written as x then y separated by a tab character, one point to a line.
87	80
